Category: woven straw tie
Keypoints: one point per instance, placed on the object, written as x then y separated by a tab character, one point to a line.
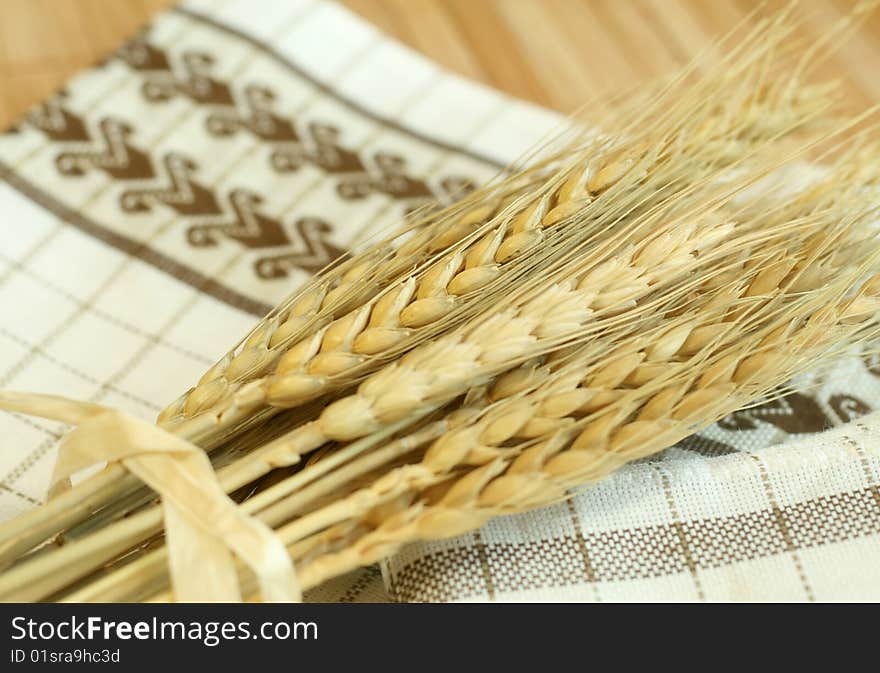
203	527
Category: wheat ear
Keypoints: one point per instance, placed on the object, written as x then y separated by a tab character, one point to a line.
564	309
395	483
542	473
817	263
93	493
755	106
594	448
756	281
768	277
398	486
646	264
21	539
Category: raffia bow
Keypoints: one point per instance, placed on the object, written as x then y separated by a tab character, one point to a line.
203	526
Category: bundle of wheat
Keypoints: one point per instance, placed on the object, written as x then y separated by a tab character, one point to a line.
574	415
586	311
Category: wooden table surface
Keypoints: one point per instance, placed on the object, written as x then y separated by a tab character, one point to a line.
558	53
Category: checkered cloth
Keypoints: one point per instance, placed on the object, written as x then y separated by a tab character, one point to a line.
169	196
792	522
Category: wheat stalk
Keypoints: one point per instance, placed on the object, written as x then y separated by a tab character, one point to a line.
756	113
616	283
753	109
760	266
66	561
541	472
826	240
817	262
70	508
590	386
592	449
685	407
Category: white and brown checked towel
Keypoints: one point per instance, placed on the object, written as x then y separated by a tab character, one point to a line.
165	199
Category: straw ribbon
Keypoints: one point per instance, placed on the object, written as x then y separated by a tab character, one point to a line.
203	526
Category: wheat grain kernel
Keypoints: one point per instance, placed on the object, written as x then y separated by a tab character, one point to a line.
470	280
701	337
206	395
299	354
595	435
334	362
294	387
377	340
517	244
425	311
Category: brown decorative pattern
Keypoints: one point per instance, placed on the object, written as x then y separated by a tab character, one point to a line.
184	273
194	81
111	152
848	407
316	254
53	119
319	144
170	183
177	191
705	446
795	413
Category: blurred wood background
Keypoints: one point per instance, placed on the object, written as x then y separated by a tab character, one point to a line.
558	53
